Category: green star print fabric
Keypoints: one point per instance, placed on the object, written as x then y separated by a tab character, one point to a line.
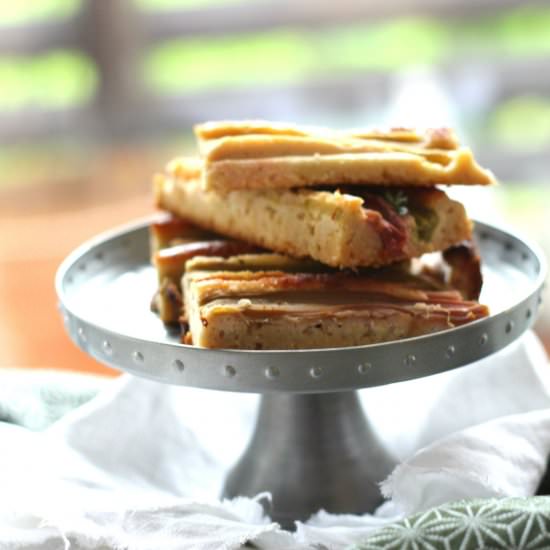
489	524
36	400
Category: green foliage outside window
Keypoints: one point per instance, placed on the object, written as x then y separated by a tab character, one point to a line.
60	78
159	5
17	12
293	55
521	123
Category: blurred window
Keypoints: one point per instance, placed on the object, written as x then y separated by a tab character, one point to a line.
133	68
140	69
16	13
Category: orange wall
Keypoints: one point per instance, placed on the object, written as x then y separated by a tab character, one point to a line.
31	249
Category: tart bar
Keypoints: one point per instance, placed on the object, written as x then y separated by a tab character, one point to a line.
347	227
282	310
260	155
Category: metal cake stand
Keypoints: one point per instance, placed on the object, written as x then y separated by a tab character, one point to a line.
312	446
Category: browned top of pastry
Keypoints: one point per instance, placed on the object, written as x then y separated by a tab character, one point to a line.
262	154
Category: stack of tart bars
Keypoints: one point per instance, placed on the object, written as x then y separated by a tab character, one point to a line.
287	237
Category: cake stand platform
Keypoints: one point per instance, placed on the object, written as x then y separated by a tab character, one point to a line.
312	447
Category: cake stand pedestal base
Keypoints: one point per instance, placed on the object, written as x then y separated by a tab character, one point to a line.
311	452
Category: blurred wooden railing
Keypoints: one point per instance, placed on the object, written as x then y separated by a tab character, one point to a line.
115	35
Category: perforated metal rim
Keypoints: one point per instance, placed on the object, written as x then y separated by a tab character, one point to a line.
319	370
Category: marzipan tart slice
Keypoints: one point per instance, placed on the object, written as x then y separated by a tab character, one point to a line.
272	308
345	226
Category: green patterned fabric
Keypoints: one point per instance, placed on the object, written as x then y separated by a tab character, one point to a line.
507	524
36	399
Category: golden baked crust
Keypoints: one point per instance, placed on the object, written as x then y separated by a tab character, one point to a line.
168	230
265	261
281	310
443	138
260	155
351	227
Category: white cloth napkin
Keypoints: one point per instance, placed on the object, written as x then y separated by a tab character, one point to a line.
141	466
